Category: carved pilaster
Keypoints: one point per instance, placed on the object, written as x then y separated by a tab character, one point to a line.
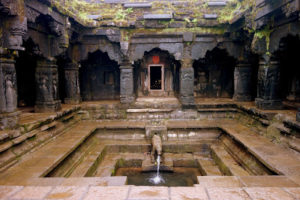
126	84
242	82
72	84
8	94
46	77
268	87
187	83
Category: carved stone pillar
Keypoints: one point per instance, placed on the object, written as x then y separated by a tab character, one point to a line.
298	115
187	83
268	87
46	76
126	84
72	84
242	82
8	94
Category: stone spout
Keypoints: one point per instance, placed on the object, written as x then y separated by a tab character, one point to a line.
156	146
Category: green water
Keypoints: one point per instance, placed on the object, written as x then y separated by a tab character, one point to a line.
180	177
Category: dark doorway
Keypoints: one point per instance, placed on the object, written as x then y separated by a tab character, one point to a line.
155	77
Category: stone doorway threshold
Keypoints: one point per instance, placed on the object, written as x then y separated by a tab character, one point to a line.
157	102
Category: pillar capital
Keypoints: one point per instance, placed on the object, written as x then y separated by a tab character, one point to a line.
186	63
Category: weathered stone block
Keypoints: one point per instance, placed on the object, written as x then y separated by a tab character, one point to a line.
158	16
217	3
137	5
210	16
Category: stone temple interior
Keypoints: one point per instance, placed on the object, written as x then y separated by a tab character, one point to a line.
150	99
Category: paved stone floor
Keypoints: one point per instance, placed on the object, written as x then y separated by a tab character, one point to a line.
148	193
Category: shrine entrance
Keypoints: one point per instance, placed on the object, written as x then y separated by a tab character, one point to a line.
156	77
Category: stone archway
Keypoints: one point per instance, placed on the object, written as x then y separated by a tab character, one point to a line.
214	75
99	78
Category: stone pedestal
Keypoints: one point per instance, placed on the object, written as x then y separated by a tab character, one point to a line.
8	94
268	91
294	94
126	84
46	77
72	84
187	87
242	82
298	115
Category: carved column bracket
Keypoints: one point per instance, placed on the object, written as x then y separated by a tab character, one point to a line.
242	82
127	85
46	76
268	91
8	94
72	84
187	84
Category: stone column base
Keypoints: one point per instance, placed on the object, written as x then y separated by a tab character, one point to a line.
268	104
187	102
51	106
298	115
9	120
242	98
72	101
127	99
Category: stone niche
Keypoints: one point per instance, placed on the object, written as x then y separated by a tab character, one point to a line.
157	75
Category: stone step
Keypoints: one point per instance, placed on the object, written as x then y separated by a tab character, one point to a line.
217	110
245	181
88	161
226	163
208	167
